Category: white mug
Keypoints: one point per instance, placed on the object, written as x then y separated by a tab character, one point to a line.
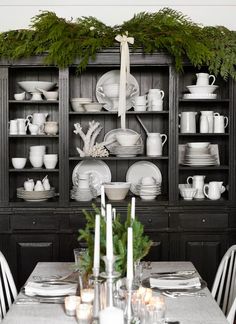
22	125
213	190
140	103
220	123
203	79
156	104
188	122
13	129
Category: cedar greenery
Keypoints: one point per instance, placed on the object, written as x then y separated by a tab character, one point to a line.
141	246
62	41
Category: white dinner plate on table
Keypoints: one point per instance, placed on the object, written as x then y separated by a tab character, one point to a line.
100	172
112	77
142	169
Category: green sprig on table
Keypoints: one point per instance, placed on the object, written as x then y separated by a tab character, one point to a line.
141	246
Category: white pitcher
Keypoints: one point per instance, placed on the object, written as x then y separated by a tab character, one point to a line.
22	125
203	79
220	123
213	190
155	143
204	124
197	183
38	119
188	121
210	117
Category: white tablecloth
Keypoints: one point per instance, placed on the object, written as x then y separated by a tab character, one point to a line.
186	310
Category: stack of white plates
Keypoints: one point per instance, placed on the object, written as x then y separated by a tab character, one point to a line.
35	196
80	194
201	92
126	151
148	192
199	154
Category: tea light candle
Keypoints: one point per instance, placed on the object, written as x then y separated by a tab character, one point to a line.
109	239
133	208
71	303
87	295
103	204
112	315
146	294
96	256
84	313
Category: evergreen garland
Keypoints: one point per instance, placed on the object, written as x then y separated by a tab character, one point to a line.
62	41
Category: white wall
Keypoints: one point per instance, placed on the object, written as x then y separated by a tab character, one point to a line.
15	14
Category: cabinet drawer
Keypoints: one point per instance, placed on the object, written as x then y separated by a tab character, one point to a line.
4	223
153	221
200	220
34	222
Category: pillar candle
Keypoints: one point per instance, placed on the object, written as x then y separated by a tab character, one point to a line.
109	239
71	303
130	270
103	203
96	254
133	208
112	315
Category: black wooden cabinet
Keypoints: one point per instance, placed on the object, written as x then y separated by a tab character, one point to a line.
199	231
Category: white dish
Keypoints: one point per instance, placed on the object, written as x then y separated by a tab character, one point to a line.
93	106
207	89
112	77
32	86
213	149
200	96
142	169
110	137
99	169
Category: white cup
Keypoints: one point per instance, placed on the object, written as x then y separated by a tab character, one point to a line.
140	108
156	104
13	130
220	123
50	161
140	100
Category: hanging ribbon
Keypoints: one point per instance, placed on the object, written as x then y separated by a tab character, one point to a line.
124	74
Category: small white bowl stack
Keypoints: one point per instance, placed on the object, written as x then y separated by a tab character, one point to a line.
148	188
83	189
129	145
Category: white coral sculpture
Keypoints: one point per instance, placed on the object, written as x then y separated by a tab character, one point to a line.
88	138
98	150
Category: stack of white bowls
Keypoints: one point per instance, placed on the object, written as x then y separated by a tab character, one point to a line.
36	155
148	188
83	189
50	160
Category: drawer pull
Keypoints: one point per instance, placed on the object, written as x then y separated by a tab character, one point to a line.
149	220
34	222
204	220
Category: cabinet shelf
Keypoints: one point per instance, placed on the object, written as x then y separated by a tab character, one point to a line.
206	201
33	136
32	102
202	134
205	100
105	112
218	167
117	158
33	170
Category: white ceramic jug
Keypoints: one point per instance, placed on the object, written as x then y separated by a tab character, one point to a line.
22	125
204	124
155	143
213	190
38	119
220	123
188	121
210	117
13	129
203	79
197	183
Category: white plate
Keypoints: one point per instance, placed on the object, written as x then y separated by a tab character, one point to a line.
200	96
97	168
214	151
142	169
111	77
111	136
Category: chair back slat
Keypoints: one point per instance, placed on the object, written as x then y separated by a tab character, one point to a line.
2	300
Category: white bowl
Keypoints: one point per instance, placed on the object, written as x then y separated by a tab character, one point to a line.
18	163
111	90
19	96
93	106
188	193
198	145
184	186
81	100
202	89
116	190
51	95
148	197
127	139
32	86
36	161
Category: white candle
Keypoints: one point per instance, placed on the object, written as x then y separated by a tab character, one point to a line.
109	239
84	313
133	208
96	254
71	303
114	213
87	295
130	270
112	315
103	203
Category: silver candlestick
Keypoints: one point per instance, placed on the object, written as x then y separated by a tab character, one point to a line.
96	302
128	309
109	275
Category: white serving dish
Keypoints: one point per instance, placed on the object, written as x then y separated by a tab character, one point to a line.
200	96
196	89
127	139
33	86
93	106
198	145
116	190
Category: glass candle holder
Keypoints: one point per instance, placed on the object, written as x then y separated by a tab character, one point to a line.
87	295
71	303
84	313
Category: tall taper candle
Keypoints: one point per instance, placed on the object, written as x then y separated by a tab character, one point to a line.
130	270
133	208
103	203
96	254
109	239
114	213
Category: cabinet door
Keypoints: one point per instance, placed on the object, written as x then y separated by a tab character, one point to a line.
159	248
204	251
30	249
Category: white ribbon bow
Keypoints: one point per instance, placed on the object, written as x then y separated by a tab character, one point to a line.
124	74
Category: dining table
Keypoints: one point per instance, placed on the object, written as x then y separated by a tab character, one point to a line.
192	309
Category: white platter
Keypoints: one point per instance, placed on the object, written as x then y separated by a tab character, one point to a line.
111	137
99	169
111	77
200	96
214	151
142	169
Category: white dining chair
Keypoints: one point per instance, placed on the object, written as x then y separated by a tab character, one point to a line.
8	290
232	311
224	286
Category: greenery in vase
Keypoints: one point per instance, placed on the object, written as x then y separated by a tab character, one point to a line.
141	241
65	42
